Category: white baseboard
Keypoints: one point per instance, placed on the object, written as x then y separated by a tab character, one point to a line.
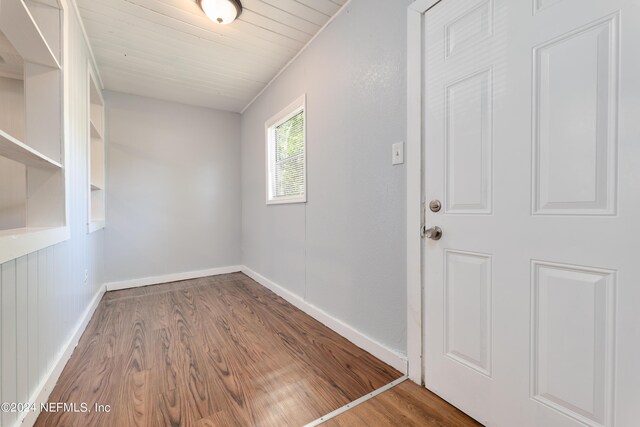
41	395
167	278
390	357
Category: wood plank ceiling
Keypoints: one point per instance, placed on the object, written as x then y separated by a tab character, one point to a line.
168	49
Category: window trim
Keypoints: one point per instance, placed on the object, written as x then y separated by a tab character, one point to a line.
285	114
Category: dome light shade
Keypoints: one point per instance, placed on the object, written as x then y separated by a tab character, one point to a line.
221	11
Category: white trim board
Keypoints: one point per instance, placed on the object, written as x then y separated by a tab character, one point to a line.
415	196
167	278
387	355
44	389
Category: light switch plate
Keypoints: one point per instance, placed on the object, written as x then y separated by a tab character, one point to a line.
397	155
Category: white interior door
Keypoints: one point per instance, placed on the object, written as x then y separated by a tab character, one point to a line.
532	145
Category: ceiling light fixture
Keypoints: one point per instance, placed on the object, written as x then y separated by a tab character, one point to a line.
221	11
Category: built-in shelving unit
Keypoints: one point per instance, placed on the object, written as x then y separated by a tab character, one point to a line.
13	149
19	24
95	132
32	173
96	153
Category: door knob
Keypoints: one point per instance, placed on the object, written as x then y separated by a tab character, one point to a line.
433	233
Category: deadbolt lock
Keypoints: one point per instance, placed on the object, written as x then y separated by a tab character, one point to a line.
435	205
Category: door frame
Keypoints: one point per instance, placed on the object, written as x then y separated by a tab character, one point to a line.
415	191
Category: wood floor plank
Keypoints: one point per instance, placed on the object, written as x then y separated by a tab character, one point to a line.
208	351
216	351
406	404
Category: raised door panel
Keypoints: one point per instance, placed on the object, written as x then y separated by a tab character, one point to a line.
572	340
468	153
539	5
468	309
575	122
469	27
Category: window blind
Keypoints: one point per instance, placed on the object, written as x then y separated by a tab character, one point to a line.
288	158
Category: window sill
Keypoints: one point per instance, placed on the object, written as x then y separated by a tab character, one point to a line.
95	226
23	241
285	201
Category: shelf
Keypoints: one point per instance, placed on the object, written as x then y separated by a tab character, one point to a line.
95	187
96	225
22	241
21	29
17	151
95	95
95	133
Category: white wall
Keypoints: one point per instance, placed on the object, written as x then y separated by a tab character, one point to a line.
173	188
43	295
344	251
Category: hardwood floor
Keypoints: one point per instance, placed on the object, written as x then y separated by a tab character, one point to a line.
406	404
219	351
223	351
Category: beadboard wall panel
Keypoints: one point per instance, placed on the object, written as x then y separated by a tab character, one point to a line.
44	294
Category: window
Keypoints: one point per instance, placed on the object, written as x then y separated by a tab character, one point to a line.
286	155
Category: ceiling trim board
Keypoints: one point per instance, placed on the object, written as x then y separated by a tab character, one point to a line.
112	50
218	87
169	50
172	94
282	16
301	9
253	18
245	41
330	9
177	83
137	39
342	8
175	19
181	50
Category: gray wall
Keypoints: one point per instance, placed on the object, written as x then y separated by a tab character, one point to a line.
173	188
343	251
